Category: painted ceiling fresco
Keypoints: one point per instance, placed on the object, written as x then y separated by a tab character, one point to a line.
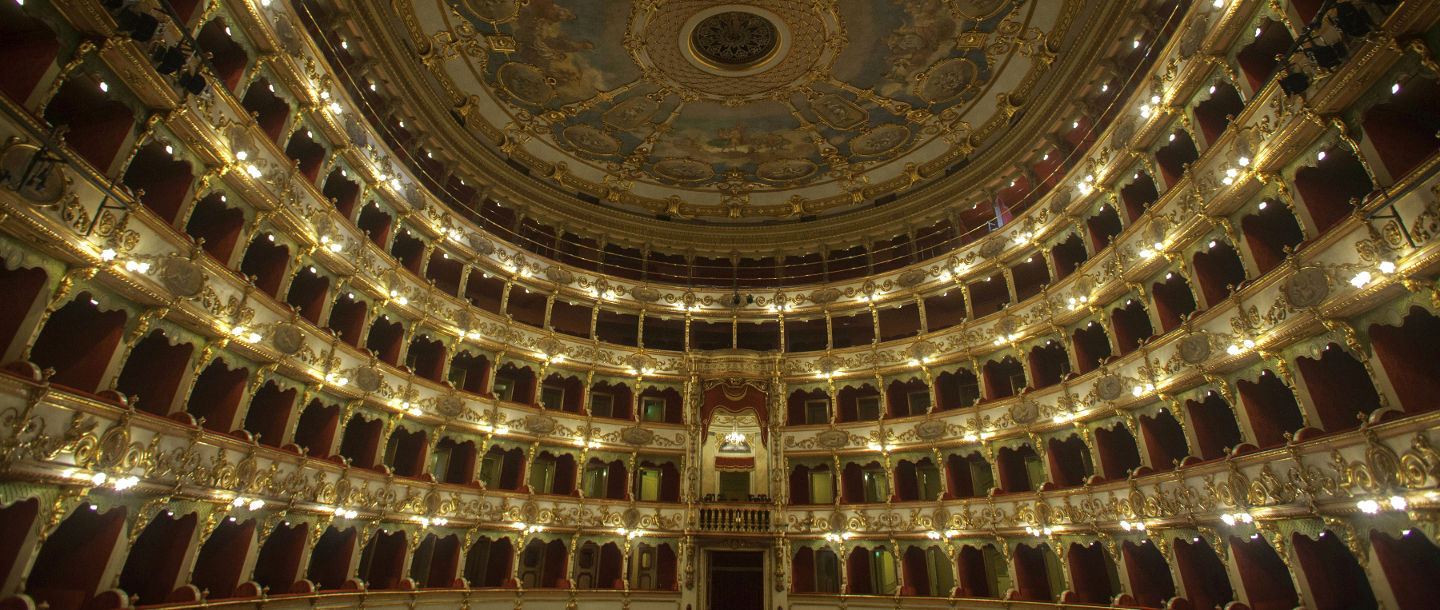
840	95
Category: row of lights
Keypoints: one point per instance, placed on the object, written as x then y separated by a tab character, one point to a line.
1371	507
255	504
109	255
99	478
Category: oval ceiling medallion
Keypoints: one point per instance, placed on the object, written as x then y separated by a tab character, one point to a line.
525	83
947	80
880	140
684	170
630	113
785	170
591	140
839	112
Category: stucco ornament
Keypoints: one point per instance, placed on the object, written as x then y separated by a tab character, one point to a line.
824	296
539	424
832	439
635	435
1024	412
930	429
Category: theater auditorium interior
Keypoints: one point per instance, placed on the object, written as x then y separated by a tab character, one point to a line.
719	304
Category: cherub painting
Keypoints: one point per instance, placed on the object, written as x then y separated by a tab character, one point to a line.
557	41
925	37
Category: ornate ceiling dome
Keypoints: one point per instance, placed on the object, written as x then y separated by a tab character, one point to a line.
713	111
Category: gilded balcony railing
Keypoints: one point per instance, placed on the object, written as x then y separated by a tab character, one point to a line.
735	520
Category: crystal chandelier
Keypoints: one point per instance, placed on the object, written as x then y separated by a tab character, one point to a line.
734	437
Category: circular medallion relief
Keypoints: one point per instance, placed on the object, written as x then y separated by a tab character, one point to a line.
824	296
630	518
451	406
32	177
930	429
1024	413
735	39
1061	200
480	243
1195	348
832	439
559	275
286	33
912	277
992	248
940	518
1124	130
1110	387
1008	325
368	379
1307	287
539	424
635	435
287	339
182	277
